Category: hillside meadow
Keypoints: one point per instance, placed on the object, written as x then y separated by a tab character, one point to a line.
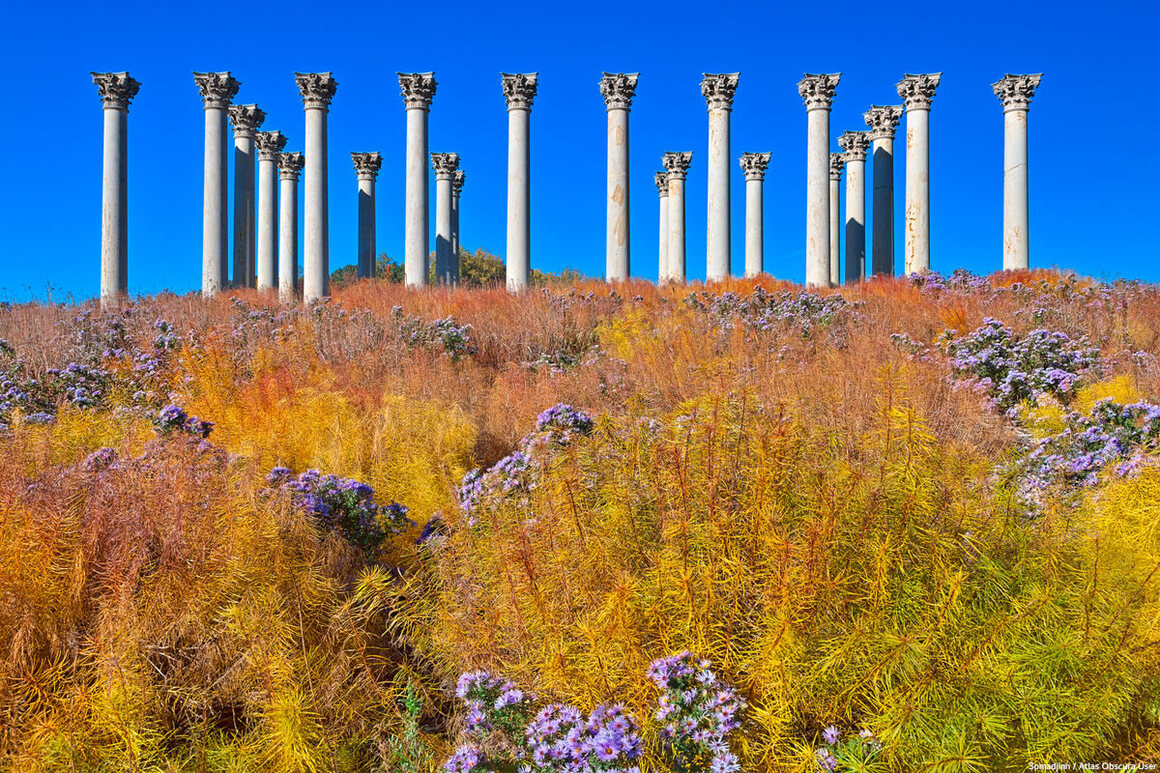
908	525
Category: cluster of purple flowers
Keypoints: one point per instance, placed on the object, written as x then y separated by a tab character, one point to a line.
958	281
855	752
443	334
697	712
563	423
342	504
173	419
98	460
80	385
493	703
800	312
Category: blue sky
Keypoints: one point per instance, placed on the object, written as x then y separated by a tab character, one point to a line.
1093	204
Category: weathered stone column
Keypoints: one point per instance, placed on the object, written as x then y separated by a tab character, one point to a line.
618	90
445	165
217	89
817	91
754	166
837	161
456	190
269	145
418	89
916	92
718	90
1015	92
366	166
677	166
117	89
289	167
883	121
854	145
662	182
519	89
317	90
246	120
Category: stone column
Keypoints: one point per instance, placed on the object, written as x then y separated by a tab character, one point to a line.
445	166
916	92
1015	92
718	90
618	90
677	166
817	91
662	182
217	90
418	89
854	145
883	121
366	166
456	189
754	166
519	89
837	161
317	90
269	145
246	120
289	167
117	90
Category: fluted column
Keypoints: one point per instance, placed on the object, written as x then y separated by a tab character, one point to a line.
289	167
1015	92
366	166
883	121
618	90
217	90
445	166
117	90
754	166
837	161
916	92
662	182
418	89
317	91
456	190
519	89
677	166
269	145
246	120
817	91
854	146
718	90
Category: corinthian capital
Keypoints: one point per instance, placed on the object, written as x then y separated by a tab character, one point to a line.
818	90
367	165
246	119
117	89
519	89
882	120
754	165
290	165
854	145
718	89
317	89
837	162
269	145
418	89
618	89
1016	91
217	88
677	164
916	91
662	182
457	182
445	165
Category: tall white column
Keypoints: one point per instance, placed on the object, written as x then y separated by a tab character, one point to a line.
269	145
854	145
1015	92
677	166
519	89
217	90
289	167
916	92
718	90
445	166
456	190
246	120
366	166
754	166
317	91
662	182
418	89
618	90
837	161
117	90
817	91
883	121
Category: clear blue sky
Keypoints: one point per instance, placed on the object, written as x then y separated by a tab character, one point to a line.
1094	201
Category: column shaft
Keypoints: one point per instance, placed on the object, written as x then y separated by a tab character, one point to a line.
917	238
315	254
215	203
618	260
1016	250
417	226
835	232
818	199
518	201
454	235
720	163
114	208
366	227
882	244
754	228
288	242
267	278
664	273
676	256
855	220
243	210
443	229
